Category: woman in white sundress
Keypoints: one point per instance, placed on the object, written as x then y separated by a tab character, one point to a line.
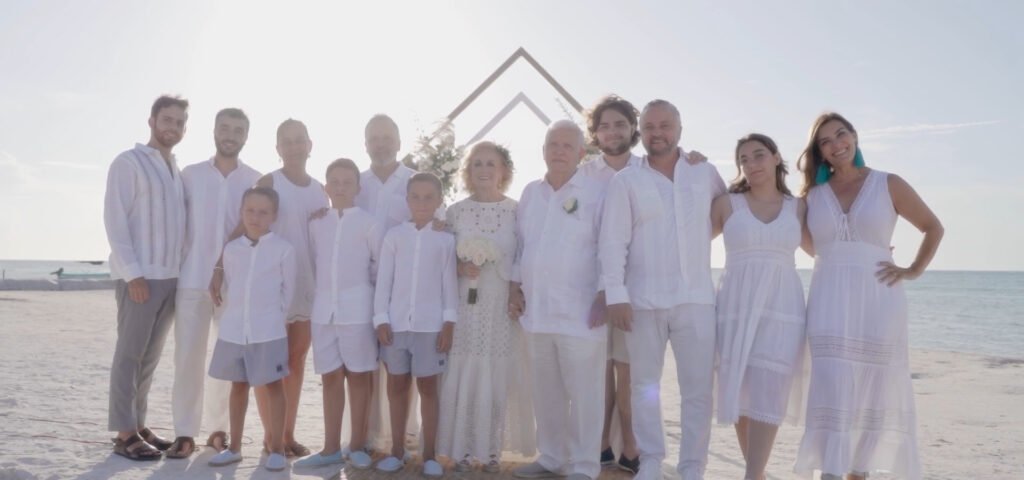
760	305
485	394
860	405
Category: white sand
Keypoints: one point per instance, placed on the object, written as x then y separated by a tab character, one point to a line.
56	348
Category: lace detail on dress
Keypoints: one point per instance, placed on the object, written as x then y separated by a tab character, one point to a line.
852	349
834	419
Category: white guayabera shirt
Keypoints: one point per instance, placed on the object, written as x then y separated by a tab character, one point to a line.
656	236
598	169
385	200
214	204
144	215
557	261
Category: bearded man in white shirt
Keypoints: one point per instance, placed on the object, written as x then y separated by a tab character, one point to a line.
558	224
144	216
213	198
655	259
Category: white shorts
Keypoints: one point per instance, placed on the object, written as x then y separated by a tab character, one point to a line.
617	345
351	346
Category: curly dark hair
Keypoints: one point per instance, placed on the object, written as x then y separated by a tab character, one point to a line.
618	104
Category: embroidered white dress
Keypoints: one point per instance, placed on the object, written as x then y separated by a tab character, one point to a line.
485	393
860	406
760	314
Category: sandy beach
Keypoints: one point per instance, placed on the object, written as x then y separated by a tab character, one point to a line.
56	351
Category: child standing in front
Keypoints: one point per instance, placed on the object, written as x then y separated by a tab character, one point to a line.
252	345
345	244
415	306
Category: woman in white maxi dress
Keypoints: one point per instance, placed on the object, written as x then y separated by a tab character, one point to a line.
760	304
485	395
860	406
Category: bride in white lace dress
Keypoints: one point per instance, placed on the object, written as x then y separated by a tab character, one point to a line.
485	395
860	406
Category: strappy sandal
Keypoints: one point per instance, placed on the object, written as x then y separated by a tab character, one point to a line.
137	449
183	447
216	437
296	449
155	440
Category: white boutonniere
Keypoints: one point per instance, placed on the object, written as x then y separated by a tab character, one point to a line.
571	205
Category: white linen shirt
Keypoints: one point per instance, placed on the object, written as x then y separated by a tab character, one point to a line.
385	200
655	245
345	254
416	286
213	204
260	281
598	168
557	263
144	215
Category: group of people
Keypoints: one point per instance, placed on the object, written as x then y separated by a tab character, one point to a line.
533	325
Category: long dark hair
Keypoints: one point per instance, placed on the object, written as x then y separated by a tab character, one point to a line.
812	158
740	183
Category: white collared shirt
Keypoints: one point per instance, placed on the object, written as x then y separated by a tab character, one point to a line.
259	281
345	254
213	204
598	168
557	263
385	200
144	215
656	236
416	286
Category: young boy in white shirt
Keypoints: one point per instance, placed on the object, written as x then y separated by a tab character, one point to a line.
252	345
346	245
414	308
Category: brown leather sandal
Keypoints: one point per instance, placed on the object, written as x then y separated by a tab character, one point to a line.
183	447
135	448
155	440
218	441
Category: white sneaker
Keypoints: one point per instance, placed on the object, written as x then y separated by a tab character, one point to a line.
226	457
276	462
432	469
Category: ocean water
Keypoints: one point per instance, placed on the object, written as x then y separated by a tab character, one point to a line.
974	312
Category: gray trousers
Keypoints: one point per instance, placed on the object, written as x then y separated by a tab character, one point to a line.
141	332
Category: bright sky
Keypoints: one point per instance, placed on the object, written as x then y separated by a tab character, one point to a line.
932	86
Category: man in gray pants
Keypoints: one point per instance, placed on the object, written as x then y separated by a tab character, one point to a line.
144	215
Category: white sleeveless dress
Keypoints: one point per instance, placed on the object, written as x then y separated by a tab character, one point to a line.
486	406
296	205
860	406
760	312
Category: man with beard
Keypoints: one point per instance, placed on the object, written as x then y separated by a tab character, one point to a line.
613	129
612	126
144	216
213	199
655	252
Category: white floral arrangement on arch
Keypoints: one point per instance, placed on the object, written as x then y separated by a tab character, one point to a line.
479	251
441	156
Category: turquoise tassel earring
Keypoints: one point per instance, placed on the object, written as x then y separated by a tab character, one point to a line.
823	174
858	159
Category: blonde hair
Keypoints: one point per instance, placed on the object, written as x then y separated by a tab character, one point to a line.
506	160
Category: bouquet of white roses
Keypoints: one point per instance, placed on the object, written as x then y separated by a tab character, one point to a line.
478	251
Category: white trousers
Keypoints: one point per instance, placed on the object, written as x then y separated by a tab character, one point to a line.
568	400
690	328
192	346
